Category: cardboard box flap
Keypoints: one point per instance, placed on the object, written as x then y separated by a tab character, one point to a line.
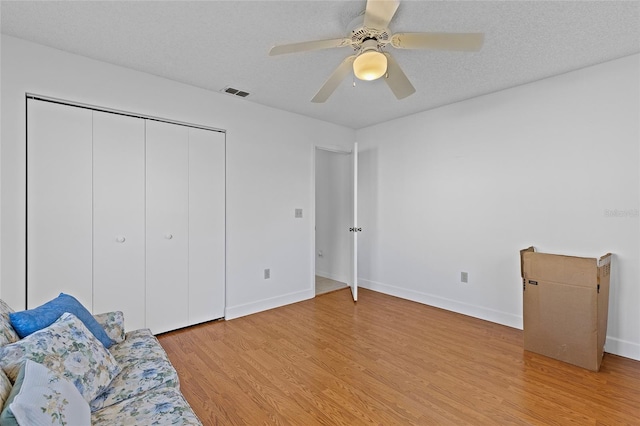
604	267
522	252
578	271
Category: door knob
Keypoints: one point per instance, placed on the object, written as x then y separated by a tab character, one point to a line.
168	236
120	239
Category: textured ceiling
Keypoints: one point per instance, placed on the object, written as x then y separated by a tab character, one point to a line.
214	44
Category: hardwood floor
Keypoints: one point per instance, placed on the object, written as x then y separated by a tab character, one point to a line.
387	361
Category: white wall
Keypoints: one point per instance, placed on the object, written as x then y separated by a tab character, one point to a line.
466	186
269	167
334	207
460	188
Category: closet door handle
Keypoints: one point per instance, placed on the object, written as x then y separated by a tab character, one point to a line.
168	236
120	239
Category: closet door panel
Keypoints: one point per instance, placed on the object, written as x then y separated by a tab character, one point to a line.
58	202
206	225
167	243
119	216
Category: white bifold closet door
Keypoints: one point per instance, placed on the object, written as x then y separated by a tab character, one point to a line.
167	226
119	216
125	214
206	225
185	225
59	186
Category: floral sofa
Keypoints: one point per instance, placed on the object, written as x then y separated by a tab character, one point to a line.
130	383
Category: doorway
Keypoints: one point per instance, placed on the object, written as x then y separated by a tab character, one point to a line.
334	216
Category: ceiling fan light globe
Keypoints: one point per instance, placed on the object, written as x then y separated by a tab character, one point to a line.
370	65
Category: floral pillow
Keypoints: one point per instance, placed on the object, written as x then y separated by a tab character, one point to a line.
42	397
113	324
65	347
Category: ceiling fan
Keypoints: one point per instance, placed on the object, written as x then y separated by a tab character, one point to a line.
369	36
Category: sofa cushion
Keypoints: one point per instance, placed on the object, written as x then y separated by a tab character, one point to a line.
137	378
165	406
113	325
139	345
40	397
68	348
7	332
32	320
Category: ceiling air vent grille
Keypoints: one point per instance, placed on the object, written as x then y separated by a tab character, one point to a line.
235	92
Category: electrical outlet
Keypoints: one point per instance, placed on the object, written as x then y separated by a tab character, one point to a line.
298	213
464	277
267	274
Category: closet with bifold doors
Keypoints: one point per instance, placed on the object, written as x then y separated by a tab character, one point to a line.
125	213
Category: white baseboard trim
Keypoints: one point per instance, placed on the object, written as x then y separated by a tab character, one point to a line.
475	311
622	348
331	276
266	304
613	345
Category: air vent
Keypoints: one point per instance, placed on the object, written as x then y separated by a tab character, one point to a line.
236	92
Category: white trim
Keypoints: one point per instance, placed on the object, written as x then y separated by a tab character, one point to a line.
266	304
504	318
314	154
622	348
120	112
336	149
613	345
331	276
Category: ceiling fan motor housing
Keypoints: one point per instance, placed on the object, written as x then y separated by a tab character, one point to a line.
360	33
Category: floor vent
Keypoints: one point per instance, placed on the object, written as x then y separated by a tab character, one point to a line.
236	92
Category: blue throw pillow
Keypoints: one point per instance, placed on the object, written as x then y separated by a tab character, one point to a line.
27	322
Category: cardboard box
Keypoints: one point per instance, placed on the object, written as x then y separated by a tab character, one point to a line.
565	306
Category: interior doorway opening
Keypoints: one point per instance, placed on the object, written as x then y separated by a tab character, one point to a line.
333	215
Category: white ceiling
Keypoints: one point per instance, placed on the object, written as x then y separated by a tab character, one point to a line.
214	44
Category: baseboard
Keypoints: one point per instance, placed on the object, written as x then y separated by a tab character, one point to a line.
622	347
613	346
266	304
331	276
475	311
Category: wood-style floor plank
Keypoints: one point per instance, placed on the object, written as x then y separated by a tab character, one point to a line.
387	361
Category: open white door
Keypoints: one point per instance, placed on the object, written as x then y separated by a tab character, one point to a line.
354	229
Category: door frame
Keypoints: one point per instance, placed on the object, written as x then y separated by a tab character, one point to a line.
315	148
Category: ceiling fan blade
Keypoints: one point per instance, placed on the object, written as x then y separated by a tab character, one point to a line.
466	42
307	46
379	13
334	81
396	79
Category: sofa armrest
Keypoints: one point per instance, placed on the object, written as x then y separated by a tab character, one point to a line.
113	324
